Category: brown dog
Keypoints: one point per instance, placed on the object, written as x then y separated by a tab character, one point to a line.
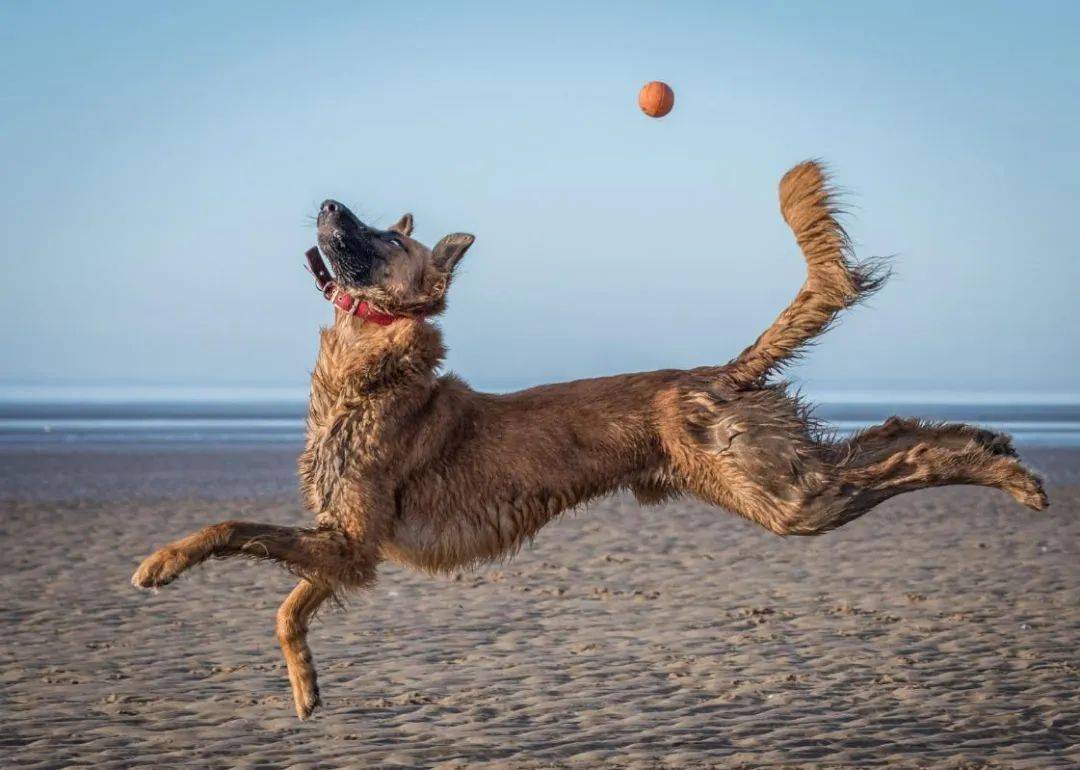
406	465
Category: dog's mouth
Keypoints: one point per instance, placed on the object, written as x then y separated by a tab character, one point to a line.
347	243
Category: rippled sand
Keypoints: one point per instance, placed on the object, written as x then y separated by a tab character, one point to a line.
941	630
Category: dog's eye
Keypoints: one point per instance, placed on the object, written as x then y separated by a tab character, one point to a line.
393	241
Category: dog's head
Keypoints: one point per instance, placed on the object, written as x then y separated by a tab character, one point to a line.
388	267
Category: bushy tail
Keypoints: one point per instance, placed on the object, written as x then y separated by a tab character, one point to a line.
834	279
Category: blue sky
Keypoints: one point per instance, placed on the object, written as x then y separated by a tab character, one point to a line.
162	162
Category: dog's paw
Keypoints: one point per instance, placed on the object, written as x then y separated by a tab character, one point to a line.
160	569
1031	494
307	700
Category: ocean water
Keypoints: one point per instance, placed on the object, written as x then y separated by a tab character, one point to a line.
79	417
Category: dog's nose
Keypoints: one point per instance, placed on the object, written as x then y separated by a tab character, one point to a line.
330	207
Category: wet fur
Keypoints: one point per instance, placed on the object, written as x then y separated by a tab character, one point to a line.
404	465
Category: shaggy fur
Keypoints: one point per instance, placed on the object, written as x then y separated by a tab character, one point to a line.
405	465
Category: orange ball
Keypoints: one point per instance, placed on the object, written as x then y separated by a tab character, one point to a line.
656	99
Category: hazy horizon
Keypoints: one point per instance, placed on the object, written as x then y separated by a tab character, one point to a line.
265	393
162	167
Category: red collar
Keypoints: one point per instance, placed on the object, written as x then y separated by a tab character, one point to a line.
342	299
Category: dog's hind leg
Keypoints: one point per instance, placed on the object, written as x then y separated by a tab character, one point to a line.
854	489
772	472
293	618
930	464
322	555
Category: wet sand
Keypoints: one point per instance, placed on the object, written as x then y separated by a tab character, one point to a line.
941	630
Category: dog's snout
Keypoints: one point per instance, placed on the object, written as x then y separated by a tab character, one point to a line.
330	207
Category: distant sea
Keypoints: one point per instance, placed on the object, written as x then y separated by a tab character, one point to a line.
95	417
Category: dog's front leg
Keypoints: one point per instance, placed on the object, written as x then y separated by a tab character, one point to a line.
363	514
322	555
329	559
293	618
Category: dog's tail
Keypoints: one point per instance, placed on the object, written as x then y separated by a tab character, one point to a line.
834	279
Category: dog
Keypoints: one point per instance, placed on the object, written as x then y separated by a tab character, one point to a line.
403	464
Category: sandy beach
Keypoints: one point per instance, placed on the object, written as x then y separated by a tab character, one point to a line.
940	630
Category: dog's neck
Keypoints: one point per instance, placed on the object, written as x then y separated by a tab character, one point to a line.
360	360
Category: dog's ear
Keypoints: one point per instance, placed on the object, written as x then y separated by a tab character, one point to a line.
449	251
403	226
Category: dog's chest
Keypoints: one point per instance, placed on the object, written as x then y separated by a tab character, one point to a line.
345	443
